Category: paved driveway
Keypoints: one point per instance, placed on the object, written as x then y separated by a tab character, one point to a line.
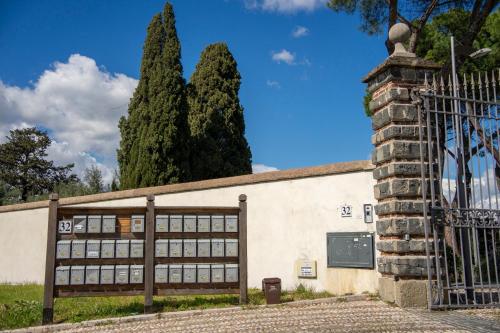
327	315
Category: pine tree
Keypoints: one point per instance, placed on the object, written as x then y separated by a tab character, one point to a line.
154	144
216	117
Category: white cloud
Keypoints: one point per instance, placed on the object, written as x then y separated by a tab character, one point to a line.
260	168
300	31
79	104
283	56
273	84
285	6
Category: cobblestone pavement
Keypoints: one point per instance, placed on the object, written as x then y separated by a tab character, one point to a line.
328	315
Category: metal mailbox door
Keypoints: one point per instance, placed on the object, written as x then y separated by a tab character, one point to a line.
136	248
161	248
108	248
175	223
136	273
107	274
189	274
231	247
217	223
121	274
189	223
161	224
78	249
203	273
190	248
204	248
137	223
63	249
122	248
92	275
175	248
204	223
161	274
217	273
175	274
217	247
77	275
231	272
94	224
93	248
109	223
231	223
80	224
62	275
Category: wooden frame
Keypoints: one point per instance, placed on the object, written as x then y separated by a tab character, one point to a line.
148	288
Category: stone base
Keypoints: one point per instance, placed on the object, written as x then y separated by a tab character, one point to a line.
405	293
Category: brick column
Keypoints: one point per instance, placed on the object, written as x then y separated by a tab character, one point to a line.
400	227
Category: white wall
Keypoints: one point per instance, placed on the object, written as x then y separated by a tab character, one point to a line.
287	220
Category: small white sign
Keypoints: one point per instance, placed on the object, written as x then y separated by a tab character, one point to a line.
64	226
346	211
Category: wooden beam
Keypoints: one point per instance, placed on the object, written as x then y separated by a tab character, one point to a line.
243	249
149	255
50	257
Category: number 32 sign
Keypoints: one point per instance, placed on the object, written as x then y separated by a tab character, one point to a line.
65	226
346	211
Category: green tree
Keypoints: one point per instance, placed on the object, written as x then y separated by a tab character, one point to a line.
154	143
216	117
93	178
23	164
115	183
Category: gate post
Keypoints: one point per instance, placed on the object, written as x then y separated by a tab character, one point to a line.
400	227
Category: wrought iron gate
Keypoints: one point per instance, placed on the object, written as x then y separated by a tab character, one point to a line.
459	131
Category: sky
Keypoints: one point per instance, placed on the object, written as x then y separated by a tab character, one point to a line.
70	68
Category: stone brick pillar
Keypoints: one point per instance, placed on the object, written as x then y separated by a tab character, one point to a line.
400	226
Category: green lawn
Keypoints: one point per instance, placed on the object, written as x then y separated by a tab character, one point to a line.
21	305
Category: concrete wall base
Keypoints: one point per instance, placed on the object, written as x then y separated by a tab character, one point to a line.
405	293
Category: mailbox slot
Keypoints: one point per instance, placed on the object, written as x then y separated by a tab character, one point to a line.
121	274
204	248
204	223
175	248
137	223
92	275
107	274
63	249
109	223
217	247
93	248
190	248
217	273
189	274
175	274
77	275
231	247
189	223
136	273
122	248
94	224
161	248
203	273
175	223
217	223
231	272
231	223
161	224
136	248
161	274
108	248
78	249
62	275
80	224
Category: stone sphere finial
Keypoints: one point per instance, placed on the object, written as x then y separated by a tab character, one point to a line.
398	34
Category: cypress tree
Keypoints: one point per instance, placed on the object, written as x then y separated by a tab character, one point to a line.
153	148
219	147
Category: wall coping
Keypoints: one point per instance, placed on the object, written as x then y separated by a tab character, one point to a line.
400	61
273	176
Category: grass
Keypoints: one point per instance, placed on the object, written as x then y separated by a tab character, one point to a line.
21	305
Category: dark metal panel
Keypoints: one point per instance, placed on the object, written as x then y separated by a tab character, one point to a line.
350	249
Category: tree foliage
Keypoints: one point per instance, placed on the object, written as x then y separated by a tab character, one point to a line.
93	178
155	135
216	117
23	163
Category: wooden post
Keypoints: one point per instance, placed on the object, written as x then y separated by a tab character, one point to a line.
243	249
149	255
50	257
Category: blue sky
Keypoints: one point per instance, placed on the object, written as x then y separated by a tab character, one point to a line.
302	94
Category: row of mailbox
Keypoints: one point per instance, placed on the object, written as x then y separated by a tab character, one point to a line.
163	223
134	274
175	248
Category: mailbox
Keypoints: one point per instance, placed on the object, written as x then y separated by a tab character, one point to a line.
108	248
190	248
189	274
161	248
217	273
77	275
203	273
121	274
203	247
231	272
122	247
217	248
350	249
94	224
217	223
92	274
109	223
137	223
175	274
189	223
175	248
136	273
107	274
63	249
161	274
231	223
161	224
175	223
80	224
231	247
62	275
136	248
78	249
204	223
93	248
